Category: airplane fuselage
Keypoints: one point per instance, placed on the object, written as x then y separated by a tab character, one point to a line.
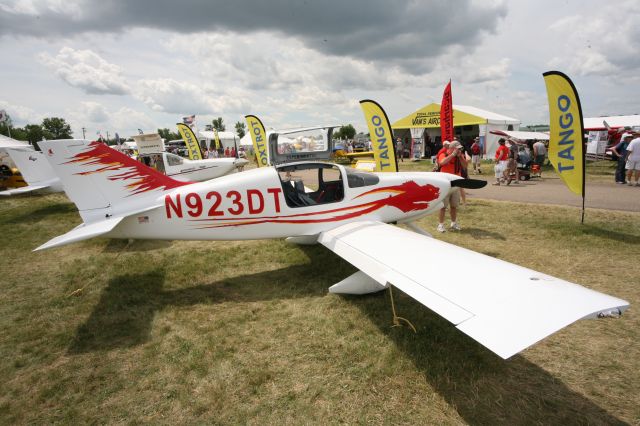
258	204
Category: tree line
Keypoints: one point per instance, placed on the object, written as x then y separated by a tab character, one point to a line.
50	128
58	128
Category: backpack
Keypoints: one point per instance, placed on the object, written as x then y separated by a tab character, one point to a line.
475	149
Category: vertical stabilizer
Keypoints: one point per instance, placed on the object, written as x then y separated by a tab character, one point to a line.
101	181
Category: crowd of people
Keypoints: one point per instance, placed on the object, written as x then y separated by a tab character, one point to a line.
454	157
628	153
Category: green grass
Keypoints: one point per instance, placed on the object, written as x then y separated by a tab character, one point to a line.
245	332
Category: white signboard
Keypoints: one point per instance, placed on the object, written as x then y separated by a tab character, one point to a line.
597	142
149	143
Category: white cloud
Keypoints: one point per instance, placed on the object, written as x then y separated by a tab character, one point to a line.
599	44
20	114
95	112
86	70
172	96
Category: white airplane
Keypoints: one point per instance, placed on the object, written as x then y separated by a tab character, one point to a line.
35	170
151	152
186	170
347	211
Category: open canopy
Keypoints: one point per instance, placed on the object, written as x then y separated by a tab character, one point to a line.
463	115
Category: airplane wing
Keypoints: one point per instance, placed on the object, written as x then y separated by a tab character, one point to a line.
503	306
23	189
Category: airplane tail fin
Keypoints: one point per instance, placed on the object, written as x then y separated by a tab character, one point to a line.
101	181
34	167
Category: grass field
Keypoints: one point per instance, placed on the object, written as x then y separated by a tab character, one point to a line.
245	332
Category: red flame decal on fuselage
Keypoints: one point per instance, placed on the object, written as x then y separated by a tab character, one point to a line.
137	177
408	197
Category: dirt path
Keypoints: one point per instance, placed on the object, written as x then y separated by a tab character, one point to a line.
551	190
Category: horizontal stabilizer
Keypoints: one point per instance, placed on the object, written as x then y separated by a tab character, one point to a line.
82	232
503	306
469	183
23	190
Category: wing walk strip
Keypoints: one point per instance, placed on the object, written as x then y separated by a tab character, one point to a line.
503	306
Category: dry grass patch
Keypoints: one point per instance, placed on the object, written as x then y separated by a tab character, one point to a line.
245	332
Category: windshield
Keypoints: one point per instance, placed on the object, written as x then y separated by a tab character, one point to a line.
174	160
357	179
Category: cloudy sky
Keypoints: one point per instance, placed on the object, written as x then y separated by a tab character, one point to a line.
117	65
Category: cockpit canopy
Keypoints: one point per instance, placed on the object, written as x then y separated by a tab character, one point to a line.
310	184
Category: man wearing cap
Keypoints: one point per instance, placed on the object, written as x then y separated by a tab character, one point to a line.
633	160
621	151
451	161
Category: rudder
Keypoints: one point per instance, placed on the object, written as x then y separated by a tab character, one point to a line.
102	181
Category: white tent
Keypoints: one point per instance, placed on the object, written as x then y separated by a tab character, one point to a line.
615	121
227	139
495	121
7	142
468	120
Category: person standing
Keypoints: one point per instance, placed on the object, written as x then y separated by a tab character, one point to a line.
512	164
633	160
539	153
621	151
452	160
475	156
399	149
502	158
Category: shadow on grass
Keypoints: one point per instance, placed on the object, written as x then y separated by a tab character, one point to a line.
124	314
483	388
483	234
610	235
123	246
41	213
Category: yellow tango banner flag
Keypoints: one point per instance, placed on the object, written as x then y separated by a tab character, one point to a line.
259	138
190	139
566	147
381	137
217	142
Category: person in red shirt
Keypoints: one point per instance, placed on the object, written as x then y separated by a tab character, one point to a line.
502	159
451	161
226	152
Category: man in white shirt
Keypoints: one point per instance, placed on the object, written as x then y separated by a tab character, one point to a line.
633	160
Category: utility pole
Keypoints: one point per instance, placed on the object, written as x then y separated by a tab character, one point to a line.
83	135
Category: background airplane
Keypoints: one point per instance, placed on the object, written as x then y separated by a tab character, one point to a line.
347	211
151	151
35	170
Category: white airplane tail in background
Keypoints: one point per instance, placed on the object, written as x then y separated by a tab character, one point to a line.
103	182
35	170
